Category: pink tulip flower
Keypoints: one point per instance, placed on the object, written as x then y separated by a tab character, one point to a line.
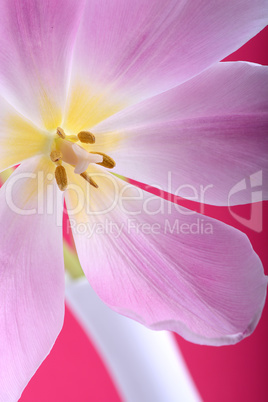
142	84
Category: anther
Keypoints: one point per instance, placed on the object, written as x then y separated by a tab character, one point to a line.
89	179
86	137
61	133
56	156
61	178
107	162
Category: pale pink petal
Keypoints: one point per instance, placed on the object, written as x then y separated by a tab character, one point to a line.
166	268
130	50
199	140
31	273
36	44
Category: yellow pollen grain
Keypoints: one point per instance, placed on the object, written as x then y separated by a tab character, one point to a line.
86	137
61	178
56	156
89	179
107	162
61	133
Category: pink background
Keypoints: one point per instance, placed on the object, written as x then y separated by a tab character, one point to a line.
74	371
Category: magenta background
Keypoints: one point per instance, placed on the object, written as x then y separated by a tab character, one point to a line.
74	371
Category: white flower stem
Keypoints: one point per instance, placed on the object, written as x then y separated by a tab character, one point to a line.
146	365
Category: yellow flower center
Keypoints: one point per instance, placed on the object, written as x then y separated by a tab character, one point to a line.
65	149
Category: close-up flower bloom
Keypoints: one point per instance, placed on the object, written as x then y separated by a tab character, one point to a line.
137	87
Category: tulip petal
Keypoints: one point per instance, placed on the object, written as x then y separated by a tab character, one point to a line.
19	138
165	267
199	140
36	43
32	275
131	50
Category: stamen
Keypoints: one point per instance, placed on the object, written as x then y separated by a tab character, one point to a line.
61	133
61	177
86	137
89	179
72	138
55	156
107	162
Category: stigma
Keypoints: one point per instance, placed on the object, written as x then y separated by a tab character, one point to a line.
65	150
